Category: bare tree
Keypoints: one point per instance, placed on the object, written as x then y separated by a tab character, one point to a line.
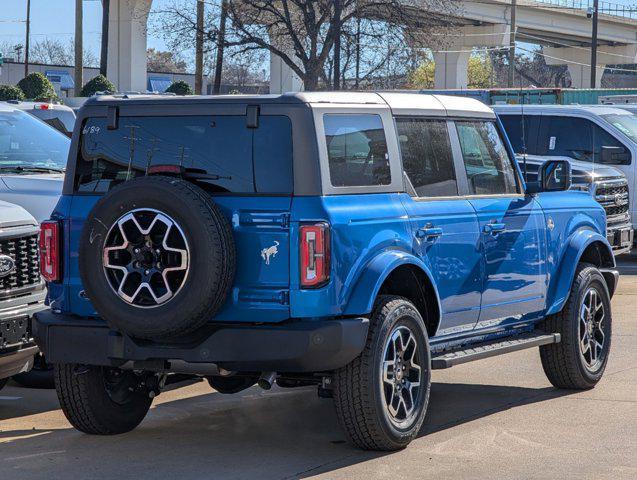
55	52
168	62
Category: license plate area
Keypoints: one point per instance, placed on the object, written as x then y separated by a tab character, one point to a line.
14	332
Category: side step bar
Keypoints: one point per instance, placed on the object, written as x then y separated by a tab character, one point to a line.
471	353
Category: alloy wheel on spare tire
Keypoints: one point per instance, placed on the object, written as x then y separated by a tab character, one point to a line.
138	261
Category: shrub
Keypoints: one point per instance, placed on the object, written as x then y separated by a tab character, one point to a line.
180	88
9	92
37	87
97	84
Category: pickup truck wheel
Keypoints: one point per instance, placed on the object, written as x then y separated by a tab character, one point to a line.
100	400
40	376
585	324
381	397
157	257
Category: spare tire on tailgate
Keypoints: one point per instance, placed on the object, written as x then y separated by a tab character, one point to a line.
157	257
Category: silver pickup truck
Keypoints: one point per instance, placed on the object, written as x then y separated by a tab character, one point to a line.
22	290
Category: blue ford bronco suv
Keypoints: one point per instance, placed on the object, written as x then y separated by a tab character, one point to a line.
352	241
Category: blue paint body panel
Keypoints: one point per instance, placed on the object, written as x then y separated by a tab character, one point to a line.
483	282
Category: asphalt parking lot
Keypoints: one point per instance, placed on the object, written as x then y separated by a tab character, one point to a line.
498	418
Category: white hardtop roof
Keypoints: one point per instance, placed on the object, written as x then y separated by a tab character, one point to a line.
595	109
403	103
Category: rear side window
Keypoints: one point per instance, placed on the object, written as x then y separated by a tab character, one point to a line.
356	150
427	156
489	168
220	150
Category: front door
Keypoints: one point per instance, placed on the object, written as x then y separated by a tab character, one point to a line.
512	228
444	226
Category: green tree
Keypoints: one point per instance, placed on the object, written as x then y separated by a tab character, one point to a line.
97	84
423	76
36	86
480	71
180	88
9	92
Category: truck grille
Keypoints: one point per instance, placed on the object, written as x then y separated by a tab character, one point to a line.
25	254
613	197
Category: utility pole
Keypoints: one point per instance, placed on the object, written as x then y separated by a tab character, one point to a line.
79	61
28	33
513	27
221	43
337	44
594	44
199	48
106	4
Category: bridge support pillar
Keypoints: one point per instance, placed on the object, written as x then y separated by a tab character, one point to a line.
578	61
452	61
282	77
127	32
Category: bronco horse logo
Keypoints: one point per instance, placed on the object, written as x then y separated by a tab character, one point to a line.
270	252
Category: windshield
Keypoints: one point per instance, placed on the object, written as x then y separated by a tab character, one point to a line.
627	124
27	144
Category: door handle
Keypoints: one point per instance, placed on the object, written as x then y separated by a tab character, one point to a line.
429	232
494	228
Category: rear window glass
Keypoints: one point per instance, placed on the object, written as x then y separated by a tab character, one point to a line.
229	156
356	150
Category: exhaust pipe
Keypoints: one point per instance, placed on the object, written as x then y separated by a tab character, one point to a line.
266	380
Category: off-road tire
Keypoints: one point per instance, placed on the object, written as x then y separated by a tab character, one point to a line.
358	388
88	406
211	268
562	362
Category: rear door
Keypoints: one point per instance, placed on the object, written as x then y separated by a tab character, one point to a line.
246	168
444	226
512	227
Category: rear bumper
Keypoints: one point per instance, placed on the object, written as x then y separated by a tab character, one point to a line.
294	346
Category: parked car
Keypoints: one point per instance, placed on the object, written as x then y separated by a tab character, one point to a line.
593	138
22	290
353	241
60	117
32	162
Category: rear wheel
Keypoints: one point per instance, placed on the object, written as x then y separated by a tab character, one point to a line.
585	324
381	397
101	400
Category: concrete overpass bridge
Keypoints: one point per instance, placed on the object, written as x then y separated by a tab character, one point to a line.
561	26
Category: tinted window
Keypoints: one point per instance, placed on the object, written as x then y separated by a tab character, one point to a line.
356	150
577	138
220	147
427	156
518	130
26	142
489	168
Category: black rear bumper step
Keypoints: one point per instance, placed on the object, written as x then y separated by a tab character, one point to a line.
491	349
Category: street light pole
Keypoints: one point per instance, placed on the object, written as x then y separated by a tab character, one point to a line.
513	27
594	44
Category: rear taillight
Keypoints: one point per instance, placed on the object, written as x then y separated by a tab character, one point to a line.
315	255
50	250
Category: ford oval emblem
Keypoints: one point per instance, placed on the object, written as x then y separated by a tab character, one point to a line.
7	265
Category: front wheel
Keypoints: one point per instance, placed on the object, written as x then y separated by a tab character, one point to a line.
585	324
381	397
101	400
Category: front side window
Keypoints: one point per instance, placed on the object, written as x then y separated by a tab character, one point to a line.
577	138
427	156
356	150
487	162
28	145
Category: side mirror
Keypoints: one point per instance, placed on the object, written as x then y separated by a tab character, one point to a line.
555	176
614	156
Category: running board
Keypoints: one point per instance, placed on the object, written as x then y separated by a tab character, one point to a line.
491	349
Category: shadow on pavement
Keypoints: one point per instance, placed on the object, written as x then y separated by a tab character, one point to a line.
280	434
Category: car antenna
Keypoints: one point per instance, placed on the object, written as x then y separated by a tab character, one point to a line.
523	136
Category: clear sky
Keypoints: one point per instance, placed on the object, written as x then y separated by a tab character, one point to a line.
55	19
